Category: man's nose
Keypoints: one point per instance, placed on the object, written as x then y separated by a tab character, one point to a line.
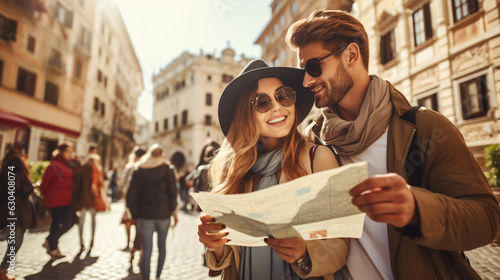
308	80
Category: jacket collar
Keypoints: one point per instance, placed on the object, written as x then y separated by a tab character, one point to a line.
151	162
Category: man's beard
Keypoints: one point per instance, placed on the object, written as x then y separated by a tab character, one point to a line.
337	88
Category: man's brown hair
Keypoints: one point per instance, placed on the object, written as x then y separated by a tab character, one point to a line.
335	29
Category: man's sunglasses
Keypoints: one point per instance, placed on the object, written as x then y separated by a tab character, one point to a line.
313	65
284	95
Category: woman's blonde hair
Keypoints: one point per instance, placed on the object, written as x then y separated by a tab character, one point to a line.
229	170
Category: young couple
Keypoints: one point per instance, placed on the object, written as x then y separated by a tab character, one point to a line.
411	232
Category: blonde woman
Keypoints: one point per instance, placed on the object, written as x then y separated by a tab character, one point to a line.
258	113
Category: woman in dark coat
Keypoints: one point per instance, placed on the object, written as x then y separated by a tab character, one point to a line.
17	212
152	199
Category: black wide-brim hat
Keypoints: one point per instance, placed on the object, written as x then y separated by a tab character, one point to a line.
254	71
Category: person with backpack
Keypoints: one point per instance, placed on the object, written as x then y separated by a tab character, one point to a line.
411	231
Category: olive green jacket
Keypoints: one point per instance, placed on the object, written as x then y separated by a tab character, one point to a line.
457	209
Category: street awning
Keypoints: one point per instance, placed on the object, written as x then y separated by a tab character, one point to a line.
10	119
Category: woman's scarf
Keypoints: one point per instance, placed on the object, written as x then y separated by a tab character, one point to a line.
353	137
262	262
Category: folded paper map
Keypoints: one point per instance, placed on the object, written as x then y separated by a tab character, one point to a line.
315	206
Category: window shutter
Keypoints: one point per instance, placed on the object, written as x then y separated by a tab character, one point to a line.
30	83
68	19
11	30
428	21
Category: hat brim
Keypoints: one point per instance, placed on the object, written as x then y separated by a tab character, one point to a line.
290	77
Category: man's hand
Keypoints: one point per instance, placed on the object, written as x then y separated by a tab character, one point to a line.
289	249
386	199
176	220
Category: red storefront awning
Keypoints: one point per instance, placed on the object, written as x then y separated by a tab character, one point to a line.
10	119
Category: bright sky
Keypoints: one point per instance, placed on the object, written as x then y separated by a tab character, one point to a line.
161	30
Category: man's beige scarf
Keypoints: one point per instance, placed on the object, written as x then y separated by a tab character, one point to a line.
353	137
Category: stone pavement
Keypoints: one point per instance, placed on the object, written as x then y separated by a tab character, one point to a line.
109	261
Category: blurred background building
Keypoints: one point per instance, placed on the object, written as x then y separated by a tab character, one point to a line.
68	72
442	54
186	95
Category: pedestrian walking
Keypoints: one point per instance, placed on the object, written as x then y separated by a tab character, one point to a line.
113	183
88	195
152	199
422	207
17	212
127	219
57	189
258	113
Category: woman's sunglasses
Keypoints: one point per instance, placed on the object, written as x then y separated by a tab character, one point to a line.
284	95
313	66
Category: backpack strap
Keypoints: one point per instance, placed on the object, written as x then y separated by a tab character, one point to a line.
312	152
413	162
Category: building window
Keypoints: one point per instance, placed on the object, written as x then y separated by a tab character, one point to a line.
84	38
429	102
103	109
157	126
175	121
78	69
177	135
55	58
283	56
208	120
276	28
99	76
31	44
294	7
209	78
1	71
109	38
267	39
165	124
105	82
422	27
96	104
387	47
463	8
208	99
227	78
81	3
64	16
26	82
474	98
8	28
184	117
51	93
283	20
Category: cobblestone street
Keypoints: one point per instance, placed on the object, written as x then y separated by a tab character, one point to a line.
109	261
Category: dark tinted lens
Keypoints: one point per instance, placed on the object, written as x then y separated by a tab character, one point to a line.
262	103
313	67
286	96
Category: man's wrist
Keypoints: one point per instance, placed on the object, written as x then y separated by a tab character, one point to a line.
304	264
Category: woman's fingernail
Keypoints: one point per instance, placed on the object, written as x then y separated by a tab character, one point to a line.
226	234
228	240
223	226
265	240
213	220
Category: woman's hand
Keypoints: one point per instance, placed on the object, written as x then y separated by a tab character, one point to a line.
289	249
210	235
176	220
